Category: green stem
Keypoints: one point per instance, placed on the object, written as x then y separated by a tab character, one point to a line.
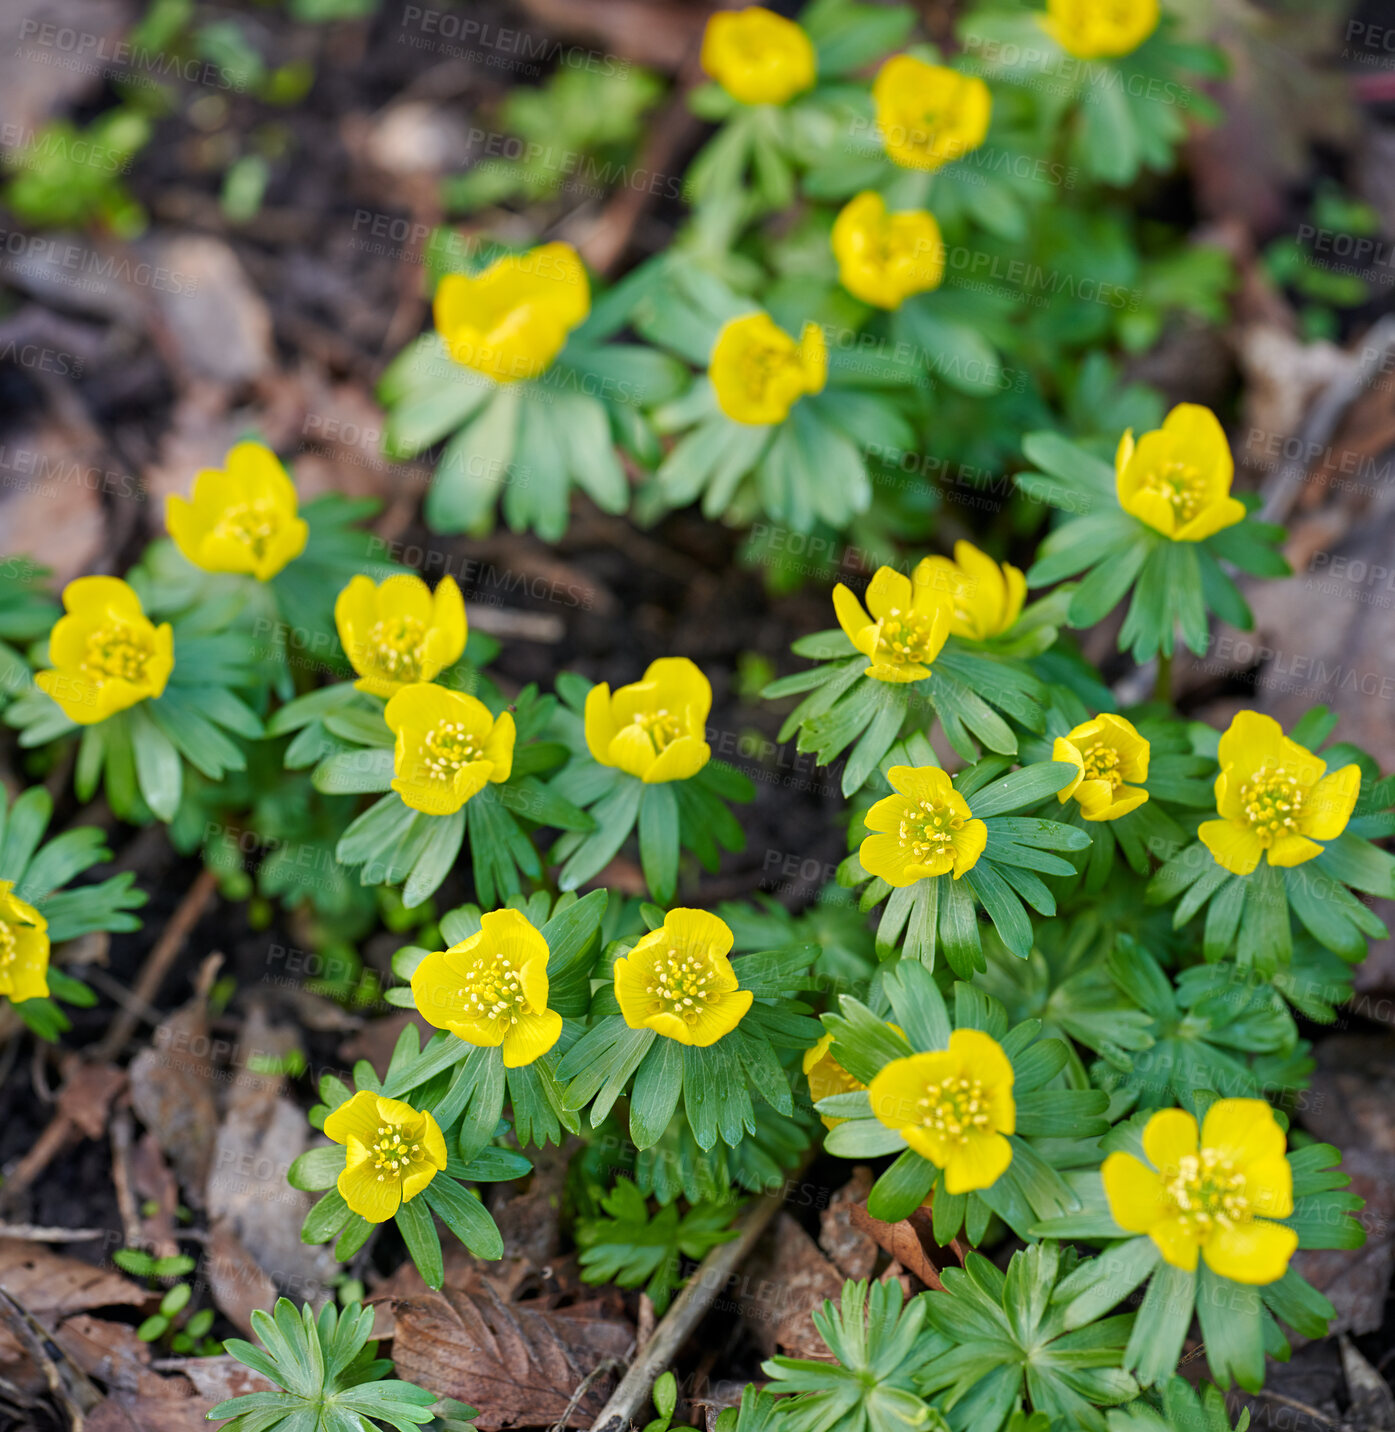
1162	689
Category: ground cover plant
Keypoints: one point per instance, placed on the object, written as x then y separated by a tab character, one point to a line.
1037	1052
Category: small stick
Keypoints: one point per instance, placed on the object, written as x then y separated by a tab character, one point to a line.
158	962
687	1311
37	1233
121	1134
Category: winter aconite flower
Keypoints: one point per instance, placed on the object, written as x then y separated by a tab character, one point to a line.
1274	798
242	517
759	372
1107	754
954	1107
106	653
1176	479
678	981
908	625
1216	1196
1100	29
399	633
758	57
929	114
491	989
23	947
885	258
655	728
448	747
826	1076
924	830
512	320
392	1151
985	598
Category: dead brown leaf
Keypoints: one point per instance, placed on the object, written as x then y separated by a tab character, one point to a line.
172	1093
255	1214
236	1281
902	1241
852	1249
519	1363
50	1287
787	1280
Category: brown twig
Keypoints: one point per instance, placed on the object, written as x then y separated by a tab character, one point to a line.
121	1135
158	962
687	1311
77	1395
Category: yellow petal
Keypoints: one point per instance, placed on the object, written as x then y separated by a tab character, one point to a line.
889	591
851	616
1137	1200
1291	850
599	724
371	1195
531	1038
1169	1137
1236	847
1176	1243
977	1163
679	761
1243	1129
358	1118
1330	803
1255	1253
968	843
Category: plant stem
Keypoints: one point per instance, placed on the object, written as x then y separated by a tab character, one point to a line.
1162	689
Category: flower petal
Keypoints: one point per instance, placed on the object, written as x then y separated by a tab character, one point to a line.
1236	847
1255	1253
1137	1200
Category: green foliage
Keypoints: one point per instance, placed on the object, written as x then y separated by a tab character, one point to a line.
330	1376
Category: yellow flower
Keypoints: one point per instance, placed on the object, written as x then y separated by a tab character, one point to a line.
759	372
758	57
985	598
929	115
1217	1199
908	625
924	830
23	947
656	728
1274	798
448	747
954	1107
827	1076
885	258
491	989
1177	478
1100	29
678	980
392	1152
106	653
512	320
398	633
1106	752
243	518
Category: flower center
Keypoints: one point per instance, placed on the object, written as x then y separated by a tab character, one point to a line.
904	638
1182	484
680	985
253	524
119	652
393	1156
397	647
1102	764
662	727
446	747
927	831
1273	803
761	366
493	990
9	945
1209	1193
954	1108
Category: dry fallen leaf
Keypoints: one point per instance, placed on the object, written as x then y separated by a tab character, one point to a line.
852	1249
902	1241
172	1094
786	1281
519	1363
